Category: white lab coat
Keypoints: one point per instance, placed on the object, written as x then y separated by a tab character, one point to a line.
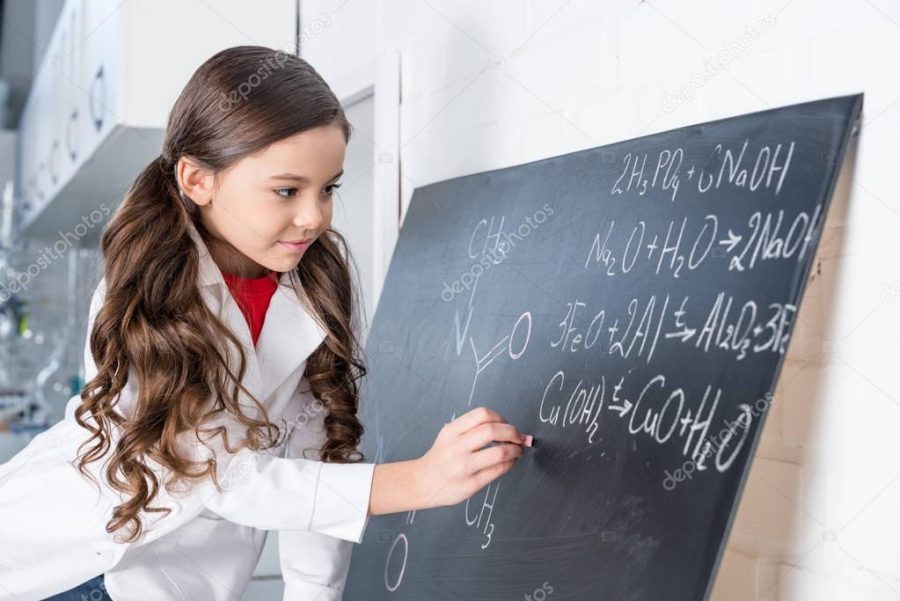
52	519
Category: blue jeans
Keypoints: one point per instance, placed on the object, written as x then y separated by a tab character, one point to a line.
92	590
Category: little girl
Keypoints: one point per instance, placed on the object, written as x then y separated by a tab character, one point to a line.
221	372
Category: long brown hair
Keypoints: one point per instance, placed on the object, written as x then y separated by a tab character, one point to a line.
153	321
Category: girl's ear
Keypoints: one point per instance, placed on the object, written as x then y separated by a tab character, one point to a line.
195	181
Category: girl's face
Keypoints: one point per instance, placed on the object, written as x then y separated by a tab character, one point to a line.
264	202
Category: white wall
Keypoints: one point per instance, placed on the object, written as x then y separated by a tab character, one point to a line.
491	84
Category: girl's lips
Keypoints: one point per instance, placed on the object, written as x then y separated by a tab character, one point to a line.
294	246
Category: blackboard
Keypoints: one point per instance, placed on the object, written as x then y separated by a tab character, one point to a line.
630	305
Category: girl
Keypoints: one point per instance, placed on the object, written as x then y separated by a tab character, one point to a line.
221	366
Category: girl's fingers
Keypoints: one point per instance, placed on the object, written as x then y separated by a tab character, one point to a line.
486	433
474	418
489	474
491	456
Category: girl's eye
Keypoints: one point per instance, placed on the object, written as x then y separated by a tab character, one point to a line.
330	189
290	192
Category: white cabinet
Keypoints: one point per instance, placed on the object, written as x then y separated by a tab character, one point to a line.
100	100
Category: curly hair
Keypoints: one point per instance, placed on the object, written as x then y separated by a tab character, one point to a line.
153	322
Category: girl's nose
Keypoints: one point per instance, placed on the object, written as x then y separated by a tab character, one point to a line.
309	216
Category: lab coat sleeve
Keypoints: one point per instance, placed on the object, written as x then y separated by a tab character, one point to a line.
294	492
313	565
281	493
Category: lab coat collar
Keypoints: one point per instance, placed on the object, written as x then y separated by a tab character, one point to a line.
290	332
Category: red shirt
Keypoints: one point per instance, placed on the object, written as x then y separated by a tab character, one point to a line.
252	296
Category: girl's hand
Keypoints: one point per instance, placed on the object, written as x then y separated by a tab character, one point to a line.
457	466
